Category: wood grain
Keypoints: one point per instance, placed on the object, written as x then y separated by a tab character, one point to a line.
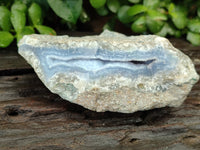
31	117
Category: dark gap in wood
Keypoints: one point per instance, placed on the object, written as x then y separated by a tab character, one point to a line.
12	110
133	140
190	137
13	72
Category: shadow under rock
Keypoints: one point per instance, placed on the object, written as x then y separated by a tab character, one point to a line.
98	119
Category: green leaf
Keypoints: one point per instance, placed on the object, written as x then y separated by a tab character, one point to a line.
69	10
103	11
35	14
26	31
122	14
162	32
154	25
170	29
136	9
42	3
18	19
155	20
166	29
179	19
156	15
139	26
171	8
110	25
198	12
84	17
113	5
178	15
194	38
134	1
19	6
97	3
5	38
164	3
5	23
194	25
151	3
177	8
45	30
178	34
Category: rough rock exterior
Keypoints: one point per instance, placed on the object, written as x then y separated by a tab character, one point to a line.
111	72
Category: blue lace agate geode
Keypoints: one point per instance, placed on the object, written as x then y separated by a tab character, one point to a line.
111	72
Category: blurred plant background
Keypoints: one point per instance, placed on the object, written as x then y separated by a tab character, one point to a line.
167	18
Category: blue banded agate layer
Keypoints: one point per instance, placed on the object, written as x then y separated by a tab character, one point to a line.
100	63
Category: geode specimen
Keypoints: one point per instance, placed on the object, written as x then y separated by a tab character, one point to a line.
111	72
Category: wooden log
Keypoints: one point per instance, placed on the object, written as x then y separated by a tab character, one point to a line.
31	117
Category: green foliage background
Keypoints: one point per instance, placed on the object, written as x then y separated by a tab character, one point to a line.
178	18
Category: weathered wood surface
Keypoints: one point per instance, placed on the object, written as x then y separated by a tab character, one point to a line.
33	118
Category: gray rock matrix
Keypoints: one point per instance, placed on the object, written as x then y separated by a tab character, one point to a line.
111	71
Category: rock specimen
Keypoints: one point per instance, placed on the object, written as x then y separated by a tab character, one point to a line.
111	72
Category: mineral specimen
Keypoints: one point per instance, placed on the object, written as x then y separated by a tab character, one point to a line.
111	72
